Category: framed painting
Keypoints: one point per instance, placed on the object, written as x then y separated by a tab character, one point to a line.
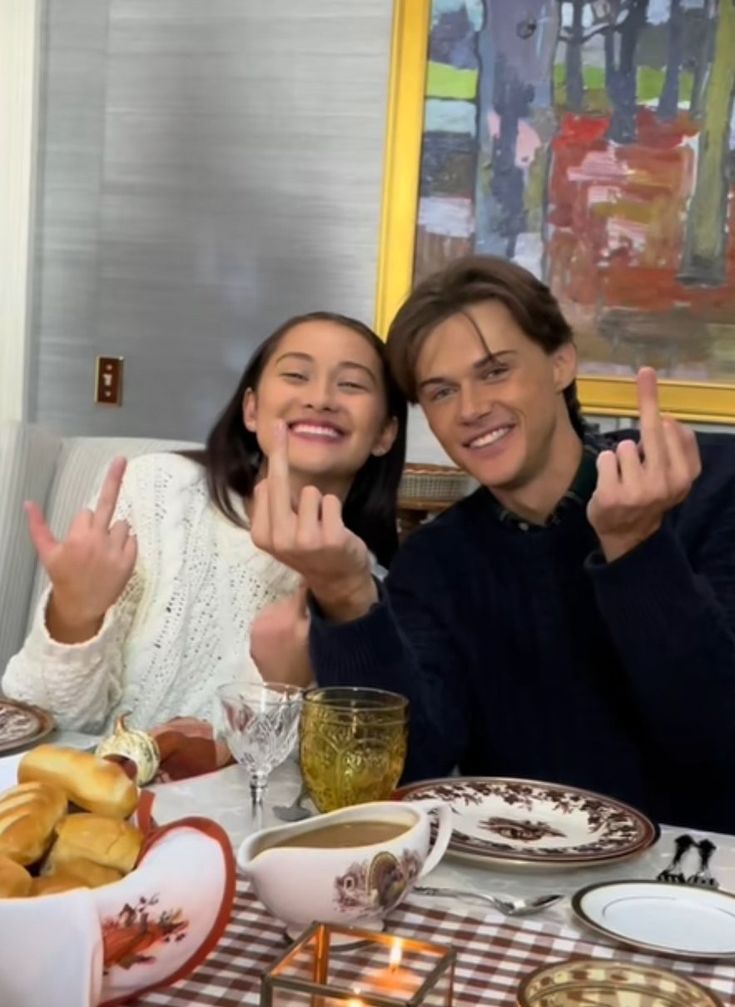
593	142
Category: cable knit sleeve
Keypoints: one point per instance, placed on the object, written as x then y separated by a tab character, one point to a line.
81	683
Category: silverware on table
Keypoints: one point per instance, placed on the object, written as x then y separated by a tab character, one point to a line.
674	871
704	875
294	812
506	904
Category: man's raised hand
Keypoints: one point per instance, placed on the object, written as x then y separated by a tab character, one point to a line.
637	484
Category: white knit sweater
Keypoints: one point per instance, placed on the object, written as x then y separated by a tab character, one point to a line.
181	626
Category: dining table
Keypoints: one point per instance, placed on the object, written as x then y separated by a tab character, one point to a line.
494	952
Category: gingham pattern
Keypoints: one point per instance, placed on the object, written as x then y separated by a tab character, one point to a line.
492	957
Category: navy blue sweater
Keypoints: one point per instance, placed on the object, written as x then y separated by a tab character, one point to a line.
528	655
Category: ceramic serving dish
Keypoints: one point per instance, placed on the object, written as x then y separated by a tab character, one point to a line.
346	884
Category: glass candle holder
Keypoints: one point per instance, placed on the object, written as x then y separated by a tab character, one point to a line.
331	966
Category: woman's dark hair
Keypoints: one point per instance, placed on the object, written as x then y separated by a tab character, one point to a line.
471	280
232	456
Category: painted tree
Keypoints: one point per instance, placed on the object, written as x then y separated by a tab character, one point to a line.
574	35
620	23
621	67
518	46
705	244
668	102
703	58
574	39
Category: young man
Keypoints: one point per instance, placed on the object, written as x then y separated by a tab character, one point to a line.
574	619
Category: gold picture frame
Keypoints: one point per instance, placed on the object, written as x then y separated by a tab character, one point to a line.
694	401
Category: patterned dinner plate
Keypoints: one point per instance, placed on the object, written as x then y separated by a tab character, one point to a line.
530	822
20	724
604	983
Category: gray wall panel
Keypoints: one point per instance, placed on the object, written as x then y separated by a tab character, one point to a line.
74	41
207	170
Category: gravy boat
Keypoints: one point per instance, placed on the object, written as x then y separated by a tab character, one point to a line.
344	884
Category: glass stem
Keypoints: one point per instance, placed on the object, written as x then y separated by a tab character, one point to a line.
258	783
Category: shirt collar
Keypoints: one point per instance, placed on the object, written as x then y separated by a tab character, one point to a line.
576	497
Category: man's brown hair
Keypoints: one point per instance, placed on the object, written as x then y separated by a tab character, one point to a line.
472	280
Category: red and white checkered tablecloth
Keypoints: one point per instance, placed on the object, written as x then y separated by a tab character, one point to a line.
492	957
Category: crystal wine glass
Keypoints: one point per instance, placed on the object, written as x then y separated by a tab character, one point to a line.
260	725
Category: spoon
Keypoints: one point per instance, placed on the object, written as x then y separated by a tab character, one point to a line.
293	812
507	904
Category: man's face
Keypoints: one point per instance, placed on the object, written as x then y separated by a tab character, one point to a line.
496	416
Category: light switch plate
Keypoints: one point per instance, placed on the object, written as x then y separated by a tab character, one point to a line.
108	382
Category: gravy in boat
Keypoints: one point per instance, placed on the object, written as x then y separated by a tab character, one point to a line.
340	835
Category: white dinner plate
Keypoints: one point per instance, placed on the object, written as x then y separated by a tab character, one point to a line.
673	919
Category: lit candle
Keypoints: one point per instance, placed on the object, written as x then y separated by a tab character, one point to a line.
395	979
352	1002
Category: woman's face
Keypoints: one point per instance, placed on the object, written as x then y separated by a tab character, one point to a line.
325	382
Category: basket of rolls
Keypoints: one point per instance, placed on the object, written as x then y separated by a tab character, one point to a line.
118	905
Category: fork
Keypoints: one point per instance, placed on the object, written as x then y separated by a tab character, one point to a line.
704	876
508	905
673	871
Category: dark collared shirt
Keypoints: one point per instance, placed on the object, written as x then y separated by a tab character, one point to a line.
578	495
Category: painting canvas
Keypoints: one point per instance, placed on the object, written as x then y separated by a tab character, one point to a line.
592	141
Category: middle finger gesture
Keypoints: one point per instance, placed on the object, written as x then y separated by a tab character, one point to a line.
309	535
637	484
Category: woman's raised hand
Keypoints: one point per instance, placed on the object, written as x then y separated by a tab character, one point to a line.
89	568
311	538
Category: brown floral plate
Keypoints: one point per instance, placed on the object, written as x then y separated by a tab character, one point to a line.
21	724
604	983
530	822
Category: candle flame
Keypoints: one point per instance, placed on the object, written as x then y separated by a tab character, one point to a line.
396	953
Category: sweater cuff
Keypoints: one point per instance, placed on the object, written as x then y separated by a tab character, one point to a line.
647	585
364	649
53	648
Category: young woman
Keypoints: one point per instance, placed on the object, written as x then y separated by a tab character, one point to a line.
155	590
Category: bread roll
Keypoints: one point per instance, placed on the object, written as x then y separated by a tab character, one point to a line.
52	884
86	871
29	816
94	784
15	881
104	841
31	793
